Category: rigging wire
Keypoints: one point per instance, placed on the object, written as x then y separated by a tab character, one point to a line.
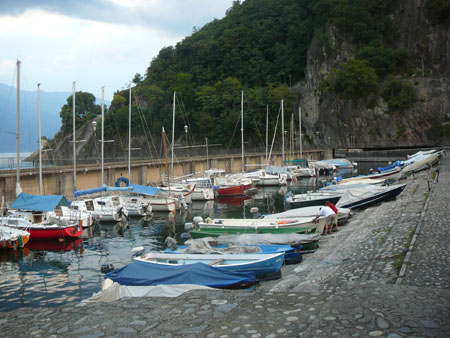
186	122
145	126
274	134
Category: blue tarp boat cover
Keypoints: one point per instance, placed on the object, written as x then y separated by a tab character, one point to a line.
89	191
144	190
141	273
400	164
39	203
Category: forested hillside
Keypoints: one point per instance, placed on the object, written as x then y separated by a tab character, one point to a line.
261	47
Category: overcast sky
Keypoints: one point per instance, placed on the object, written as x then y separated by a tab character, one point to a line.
93	42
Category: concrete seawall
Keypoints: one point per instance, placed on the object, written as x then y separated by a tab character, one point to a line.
60	180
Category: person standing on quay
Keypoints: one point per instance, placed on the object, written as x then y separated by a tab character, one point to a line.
334	221
328	213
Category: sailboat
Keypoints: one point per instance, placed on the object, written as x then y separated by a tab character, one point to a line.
33	213
103	209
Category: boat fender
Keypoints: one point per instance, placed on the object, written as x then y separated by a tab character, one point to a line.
107	283
105	268
20	241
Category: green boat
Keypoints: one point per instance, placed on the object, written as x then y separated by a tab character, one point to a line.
215	232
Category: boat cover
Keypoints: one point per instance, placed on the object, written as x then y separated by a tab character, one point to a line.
203	246
89	191
39	203
117	291
422	163
141	273
144	190
255	239
358	194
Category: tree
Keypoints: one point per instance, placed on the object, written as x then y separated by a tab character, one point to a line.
137	78
354	78
85	110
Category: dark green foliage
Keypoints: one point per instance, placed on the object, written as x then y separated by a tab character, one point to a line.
85	110
399	94
353	79
384	60
364	20
260	47
438	10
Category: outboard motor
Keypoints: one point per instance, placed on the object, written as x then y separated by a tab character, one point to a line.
255	212
188	226
105	268
197	219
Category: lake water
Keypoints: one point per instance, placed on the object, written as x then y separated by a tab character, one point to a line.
48	274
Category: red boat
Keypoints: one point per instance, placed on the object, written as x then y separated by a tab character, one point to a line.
55	232
34	214
234	190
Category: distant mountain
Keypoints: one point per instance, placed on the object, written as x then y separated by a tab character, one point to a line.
51	103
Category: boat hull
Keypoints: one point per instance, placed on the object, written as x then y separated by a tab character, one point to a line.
260	264
381	197
55	233
215	232
235	190
313	202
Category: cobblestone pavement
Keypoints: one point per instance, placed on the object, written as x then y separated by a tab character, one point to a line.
347	288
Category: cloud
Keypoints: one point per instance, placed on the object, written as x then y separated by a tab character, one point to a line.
175	16
95	43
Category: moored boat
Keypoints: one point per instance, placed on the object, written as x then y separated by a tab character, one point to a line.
34	213
11	238
144	273
363	197
312	198
210	246
260	264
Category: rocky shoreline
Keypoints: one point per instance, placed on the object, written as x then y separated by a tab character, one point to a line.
350	287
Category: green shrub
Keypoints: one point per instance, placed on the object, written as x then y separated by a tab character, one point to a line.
354	78
399	94
384	60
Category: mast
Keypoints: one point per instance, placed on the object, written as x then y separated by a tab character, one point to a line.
103	134
18	128
242	129
267	132
282	130
173	133
129	137
291	137
165	154
300	128
74	140
40	137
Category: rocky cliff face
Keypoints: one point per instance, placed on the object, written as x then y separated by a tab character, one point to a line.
367	122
